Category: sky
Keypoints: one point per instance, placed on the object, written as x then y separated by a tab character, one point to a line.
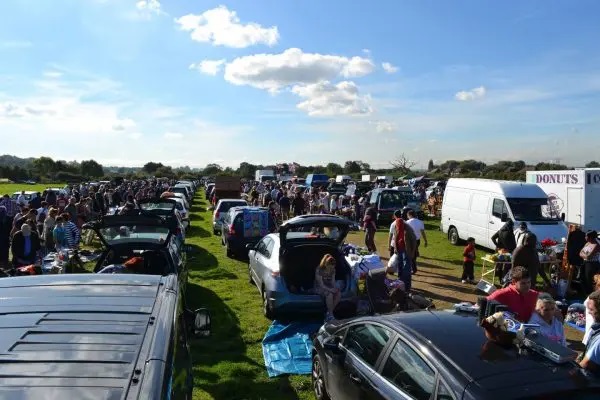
125	82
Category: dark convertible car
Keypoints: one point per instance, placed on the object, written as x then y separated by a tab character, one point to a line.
434	355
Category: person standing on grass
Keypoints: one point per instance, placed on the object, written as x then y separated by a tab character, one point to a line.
5	227
370	228
418	228
404	244
284	206
298	204
468	274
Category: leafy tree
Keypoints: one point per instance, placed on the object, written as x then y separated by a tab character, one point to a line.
212	169
364	166
593	164
44	166
246	170
164	172
543	166
471	166
91	168
151	167
430	165
352	167
334	169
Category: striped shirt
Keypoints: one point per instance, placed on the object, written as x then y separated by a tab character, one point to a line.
11	207
73	235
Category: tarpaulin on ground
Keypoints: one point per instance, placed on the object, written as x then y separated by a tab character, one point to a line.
256	223
287	347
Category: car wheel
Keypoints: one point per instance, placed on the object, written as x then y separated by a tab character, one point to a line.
267	308
215	232
318	379
228	251
453	236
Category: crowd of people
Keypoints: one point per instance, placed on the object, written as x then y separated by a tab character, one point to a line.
51	220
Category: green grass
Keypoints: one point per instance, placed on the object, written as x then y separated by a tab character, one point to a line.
229	364
10	188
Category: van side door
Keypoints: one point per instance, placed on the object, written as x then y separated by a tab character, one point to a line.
499	209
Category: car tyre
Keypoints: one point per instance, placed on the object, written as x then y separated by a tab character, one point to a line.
267	308
228	251
215	232
318	379
453	236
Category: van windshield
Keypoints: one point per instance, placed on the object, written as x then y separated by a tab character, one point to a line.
532	210
394	200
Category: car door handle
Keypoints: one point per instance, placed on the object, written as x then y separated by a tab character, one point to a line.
355	379
492	222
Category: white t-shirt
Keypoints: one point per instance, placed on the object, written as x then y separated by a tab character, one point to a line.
417	226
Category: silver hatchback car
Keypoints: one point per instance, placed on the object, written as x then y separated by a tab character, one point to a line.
283	265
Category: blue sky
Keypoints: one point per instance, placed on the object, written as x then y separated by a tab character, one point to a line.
195	82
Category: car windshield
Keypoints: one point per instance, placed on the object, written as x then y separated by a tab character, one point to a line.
533	209
135	233
392	200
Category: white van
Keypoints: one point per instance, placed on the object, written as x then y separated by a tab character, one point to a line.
479	207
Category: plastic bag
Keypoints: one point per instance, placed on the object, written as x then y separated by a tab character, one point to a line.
394	262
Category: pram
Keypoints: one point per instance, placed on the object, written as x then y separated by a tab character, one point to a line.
383	299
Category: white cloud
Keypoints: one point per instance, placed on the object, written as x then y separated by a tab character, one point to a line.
469	95
123	124
293	67
209	67
389	68
15	44
384	126
222	27
327	99
173	135
149	8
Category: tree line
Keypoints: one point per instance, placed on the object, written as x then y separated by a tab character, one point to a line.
45	169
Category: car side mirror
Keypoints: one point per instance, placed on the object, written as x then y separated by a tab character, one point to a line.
504	217
562	216
250	246
202	323
333	346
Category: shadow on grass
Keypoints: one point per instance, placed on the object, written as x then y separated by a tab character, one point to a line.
438	296
200	259
197	231
221	367
197	209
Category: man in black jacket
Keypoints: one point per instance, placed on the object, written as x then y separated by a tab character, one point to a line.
25	245
505	237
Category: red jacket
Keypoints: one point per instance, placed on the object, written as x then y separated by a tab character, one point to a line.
469	252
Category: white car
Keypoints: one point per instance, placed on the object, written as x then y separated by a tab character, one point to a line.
28	196
221	210
181	196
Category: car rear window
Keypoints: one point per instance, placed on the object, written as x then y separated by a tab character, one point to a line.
226	205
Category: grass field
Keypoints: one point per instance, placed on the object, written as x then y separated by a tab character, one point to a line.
10	188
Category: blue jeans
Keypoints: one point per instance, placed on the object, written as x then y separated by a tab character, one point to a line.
405	269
